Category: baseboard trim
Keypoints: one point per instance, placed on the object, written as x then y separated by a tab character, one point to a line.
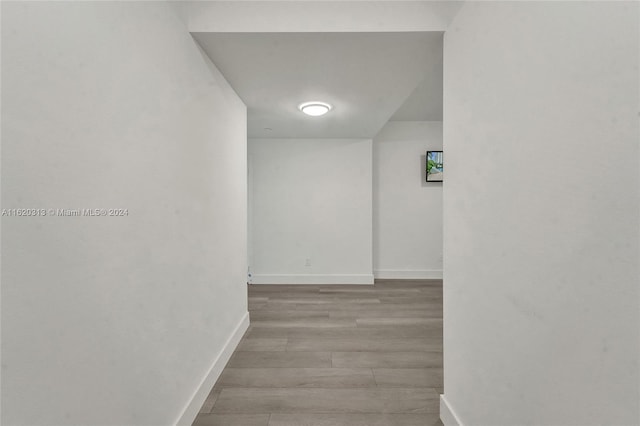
402	274
447	415
312	279
200	395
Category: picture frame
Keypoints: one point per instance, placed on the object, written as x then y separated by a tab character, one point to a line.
434	166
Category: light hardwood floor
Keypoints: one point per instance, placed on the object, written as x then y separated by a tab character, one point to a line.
335	355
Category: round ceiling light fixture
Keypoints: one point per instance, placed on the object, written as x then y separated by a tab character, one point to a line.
315	109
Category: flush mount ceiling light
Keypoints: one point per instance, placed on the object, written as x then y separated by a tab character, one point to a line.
315	109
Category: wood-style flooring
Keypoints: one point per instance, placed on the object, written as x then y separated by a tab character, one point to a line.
335	355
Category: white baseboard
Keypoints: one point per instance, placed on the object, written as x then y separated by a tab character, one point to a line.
401	274
200	395
312	279
447	415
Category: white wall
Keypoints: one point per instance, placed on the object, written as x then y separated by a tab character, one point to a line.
116	320
311	199
541	214
407	211
320	16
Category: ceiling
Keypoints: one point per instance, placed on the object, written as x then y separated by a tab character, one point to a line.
369	78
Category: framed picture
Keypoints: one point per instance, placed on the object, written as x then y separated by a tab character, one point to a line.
434	166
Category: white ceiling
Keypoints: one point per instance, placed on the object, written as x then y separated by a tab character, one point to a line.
367	77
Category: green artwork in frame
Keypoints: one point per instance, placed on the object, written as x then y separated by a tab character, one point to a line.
435	170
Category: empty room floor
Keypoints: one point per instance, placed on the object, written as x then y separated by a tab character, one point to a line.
332	355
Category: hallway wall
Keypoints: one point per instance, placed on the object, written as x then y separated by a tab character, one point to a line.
320	15
310	211
541	214
116	320
407	211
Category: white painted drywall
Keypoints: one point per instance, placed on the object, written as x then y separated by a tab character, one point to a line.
320	16
311	199
407	210
541	214
364	76
116	320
